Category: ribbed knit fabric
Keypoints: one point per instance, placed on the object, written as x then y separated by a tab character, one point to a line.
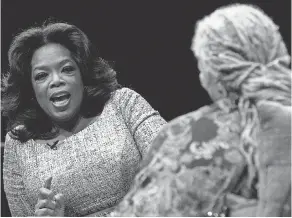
93	168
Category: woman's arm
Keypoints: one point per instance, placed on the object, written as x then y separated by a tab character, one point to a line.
143	121
13	183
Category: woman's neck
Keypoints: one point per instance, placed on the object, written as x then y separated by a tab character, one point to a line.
67	129
74	125
70	125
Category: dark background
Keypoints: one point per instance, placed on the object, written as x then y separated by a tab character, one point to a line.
149	41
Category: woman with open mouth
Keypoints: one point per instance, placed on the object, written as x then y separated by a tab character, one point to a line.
75	136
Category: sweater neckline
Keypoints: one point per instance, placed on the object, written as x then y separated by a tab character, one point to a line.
72	137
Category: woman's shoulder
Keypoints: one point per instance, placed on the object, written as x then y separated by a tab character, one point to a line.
190	151
183	130
123	93
10	143
127	98
204	113
11	140
203	125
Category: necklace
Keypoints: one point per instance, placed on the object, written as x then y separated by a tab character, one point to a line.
54	145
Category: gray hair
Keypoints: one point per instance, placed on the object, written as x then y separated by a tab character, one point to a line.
243	49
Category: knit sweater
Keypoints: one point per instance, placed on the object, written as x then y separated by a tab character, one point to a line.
93	168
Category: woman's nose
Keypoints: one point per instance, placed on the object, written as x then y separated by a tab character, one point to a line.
56	80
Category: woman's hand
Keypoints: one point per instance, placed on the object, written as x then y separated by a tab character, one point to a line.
48	203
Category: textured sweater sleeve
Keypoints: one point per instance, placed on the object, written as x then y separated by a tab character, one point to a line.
13	183
143	121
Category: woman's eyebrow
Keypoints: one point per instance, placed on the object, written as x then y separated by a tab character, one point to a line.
44	66
39	67
64	61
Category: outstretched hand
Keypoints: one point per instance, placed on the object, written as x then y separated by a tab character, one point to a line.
49	204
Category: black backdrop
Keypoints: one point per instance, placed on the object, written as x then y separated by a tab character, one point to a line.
149	41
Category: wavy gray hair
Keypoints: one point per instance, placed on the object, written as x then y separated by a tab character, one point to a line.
243	50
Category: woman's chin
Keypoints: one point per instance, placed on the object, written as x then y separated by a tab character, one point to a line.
64	117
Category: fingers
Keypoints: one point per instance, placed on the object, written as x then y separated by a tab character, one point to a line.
46	204
60	200
48	183
45	194
44	212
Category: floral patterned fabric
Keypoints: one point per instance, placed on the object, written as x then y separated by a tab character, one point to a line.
195	168
193	163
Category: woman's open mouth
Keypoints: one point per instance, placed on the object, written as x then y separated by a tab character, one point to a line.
61	99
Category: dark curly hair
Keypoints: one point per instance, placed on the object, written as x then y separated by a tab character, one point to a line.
18	98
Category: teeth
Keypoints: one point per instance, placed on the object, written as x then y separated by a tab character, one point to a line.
60	98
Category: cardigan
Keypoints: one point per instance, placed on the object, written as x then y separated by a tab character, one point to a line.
93	168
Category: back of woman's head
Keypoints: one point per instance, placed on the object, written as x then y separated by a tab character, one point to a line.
242	48
18	98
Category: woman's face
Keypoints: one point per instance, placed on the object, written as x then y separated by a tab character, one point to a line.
57	82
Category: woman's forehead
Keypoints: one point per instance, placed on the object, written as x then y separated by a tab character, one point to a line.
50	54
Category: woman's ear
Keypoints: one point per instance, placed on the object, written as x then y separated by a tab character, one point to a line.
216	90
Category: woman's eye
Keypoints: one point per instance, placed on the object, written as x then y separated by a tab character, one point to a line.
40	76
68	69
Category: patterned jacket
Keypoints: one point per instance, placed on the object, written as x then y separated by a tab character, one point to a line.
195	168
